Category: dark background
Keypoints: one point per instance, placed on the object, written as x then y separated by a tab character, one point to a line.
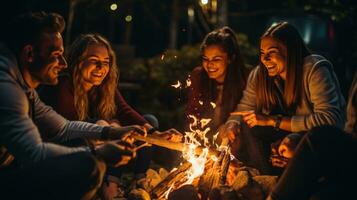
161	43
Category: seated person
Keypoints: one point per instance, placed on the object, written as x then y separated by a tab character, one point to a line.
324	164
291	91
218	84
89	92
32	164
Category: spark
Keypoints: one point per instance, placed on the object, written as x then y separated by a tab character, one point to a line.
177	85
213	105
188	82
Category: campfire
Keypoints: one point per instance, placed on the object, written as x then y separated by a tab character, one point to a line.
205	166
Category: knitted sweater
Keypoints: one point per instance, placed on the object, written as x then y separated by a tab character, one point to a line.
322	102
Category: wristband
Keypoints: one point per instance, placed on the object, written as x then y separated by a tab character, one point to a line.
278	122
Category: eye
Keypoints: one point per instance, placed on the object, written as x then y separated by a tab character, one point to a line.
105	64
217	59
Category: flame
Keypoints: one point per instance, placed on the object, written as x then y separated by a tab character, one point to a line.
215	138
169	190
162	57
198	163
200	102
204	122
194	138
177	85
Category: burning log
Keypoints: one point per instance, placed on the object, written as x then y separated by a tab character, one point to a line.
216	175
155	140
174	179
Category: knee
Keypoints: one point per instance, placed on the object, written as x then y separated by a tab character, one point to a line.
153	121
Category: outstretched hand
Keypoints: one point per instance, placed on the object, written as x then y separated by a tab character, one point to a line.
253	119
230	131
172	135
115	154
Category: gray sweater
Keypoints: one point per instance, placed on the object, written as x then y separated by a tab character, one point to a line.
26	122
322	101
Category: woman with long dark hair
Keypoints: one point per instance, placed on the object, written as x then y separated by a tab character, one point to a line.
291	90
218	84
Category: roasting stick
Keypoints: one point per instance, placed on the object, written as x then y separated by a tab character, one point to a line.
178	146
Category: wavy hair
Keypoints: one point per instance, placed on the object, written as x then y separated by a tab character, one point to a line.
99	102
288	36
236	72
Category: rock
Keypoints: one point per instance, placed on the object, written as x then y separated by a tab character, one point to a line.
246	187
139	194
223	193
163	173
186	192
266	182
153	178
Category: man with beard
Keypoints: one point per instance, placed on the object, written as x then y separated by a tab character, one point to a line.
31	164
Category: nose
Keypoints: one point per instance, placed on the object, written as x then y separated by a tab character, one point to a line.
266	57
99	65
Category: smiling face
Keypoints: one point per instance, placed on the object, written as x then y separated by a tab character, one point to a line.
48	59
95	65
273	55
215	61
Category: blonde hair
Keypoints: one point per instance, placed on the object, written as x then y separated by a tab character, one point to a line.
99	102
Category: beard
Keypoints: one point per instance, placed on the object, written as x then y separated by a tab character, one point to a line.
42	73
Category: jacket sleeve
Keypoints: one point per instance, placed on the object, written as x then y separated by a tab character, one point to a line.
125	113
19	134
248	101
326	99
54	127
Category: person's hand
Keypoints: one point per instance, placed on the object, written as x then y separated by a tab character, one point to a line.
172	135
279	161
253	119
230	131
114	123
102	122
115	154
233	170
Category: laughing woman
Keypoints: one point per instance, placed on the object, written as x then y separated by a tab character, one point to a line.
218	84
89	92
292	90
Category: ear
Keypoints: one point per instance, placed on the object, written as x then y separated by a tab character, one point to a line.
28	53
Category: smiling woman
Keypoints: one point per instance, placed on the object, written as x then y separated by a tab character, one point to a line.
291	90
218	84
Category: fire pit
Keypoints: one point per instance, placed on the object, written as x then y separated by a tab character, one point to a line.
204	170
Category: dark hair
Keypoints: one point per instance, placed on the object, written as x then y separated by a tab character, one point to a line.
235	78
27	28
288	36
